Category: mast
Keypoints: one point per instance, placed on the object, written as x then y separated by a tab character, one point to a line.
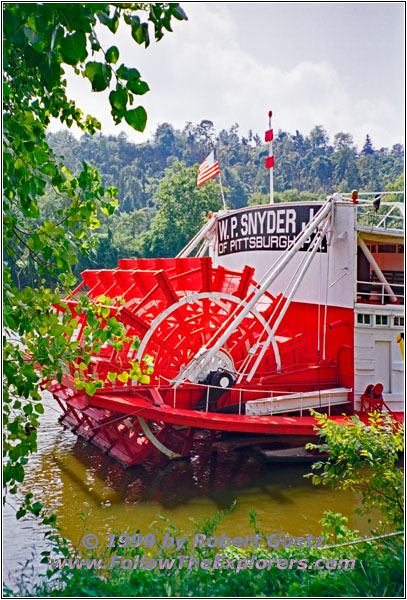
220	177
270	159
221	190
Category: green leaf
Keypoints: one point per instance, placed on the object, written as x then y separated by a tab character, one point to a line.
32	57
112	55
36	508
111	23
123	377
118	99
139	33
80	385
138	87
112	376
90	388
179	13
136	118
73	48
32	35
127	74
98	74
21	513
57	330
136	342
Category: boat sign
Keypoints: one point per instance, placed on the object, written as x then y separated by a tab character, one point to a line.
265	228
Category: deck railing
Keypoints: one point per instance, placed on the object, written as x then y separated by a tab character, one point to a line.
374	292
390	215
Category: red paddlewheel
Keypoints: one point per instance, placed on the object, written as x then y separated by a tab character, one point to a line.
175	306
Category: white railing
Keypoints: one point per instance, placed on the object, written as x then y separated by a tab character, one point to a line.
390	215
376	293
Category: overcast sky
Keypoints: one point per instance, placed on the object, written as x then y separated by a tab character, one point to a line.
340	65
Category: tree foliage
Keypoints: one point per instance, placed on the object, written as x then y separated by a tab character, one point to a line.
364	457
42	243
182	209
307	168
304	163
367	146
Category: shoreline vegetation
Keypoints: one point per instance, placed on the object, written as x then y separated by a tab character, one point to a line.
362	457
377	570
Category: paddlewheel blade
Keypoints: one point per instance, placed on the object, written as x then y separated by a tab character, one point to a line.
175	307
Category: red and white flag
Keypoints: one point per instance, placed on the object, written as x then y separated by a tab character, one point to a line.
208	169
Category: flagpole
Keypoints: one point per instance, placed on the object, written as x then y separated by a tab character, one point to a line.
221	191
271	170
220	179
270	159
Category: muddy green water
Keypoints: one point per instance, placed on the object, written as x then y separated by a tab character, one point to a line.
90	492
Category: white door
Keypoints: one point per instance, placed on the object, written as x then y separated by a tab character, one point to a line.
383	365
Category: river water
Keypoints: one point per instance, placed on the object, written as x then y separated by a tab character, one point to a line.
91	493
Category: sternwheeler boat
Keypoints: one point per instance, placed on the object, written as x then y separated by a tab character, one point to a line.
284	308
268	312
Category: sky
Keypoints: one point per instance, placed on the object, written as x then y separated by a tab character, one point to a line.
335	64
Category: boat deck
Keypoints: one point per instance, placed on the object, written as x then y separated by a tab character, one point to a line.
283	425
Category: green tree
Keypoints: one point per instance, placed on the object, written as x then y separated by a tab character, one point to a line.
398	150
182	210
127	229
319	139
343	140
258	198
364	457
40	39
322	170
367	146
346	169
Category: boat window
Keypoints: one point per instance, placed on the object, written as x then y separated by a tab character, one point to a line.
364	319
381	319
399	321
387	248
401	249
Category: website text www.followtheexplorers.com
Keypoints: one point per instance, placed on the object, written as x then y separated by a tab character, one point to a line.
193	562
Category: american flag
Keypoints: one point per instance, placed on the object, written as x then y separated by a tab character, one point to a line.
208	169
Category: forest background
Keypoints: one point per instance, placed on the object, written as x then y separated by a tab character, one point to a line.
159	205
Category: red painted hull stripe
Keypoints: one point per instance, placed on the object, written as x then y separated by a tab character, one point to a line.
222	422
